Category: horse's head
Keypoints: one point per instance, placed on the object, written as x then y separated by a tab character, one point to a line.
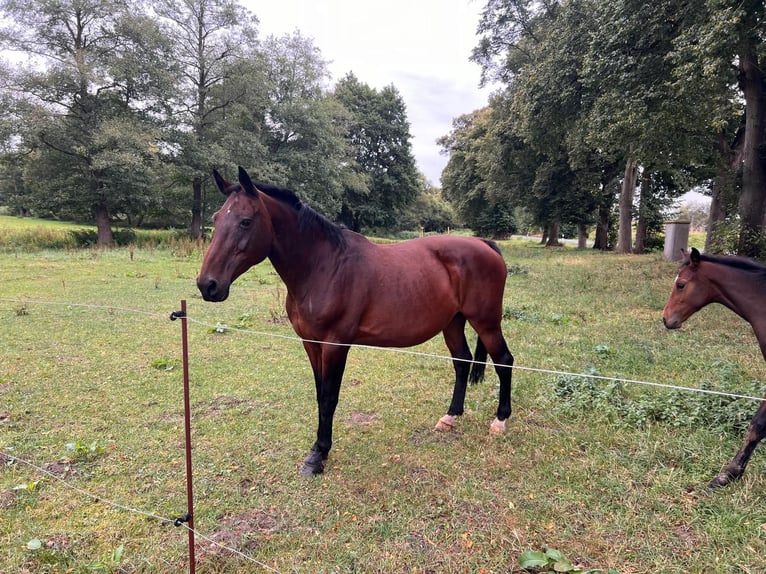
689	292
242	237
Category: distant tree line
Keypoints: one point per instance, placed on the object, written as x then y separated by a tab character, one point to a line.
607	111
117	111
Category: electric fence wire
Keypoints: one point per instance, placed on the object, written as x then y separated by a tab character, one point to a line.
516	367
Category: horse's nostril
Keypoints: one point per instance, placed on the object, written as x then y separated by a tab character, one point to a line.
207	287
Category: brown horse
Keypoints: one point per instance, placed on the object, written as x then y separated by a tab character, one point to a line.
343	289
740	285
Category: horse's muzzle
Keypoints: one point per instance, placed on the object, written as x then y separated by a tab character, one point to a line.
212	290
671	323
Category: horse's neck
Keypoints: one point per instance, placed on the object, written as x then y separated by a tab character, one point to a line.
294	250
744	294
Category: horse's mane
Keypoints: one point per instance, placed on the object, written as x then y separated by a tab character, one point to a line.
308	219
736	262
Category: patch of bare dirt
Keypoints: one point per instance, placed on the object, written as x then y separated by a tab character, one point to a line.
221	404
7	498
363	418
63	468
241	532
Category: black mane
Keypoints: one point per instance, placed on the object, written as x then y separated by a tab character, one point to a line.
307	217
736	262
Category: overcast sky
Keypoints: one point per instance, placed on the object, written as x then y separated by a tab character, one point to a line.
420	46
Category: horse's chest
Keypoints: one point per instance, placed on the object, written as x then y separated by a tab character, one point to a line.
313	316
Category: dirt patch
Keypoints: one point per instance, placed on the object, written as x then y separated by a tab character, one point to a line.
58	542
7	498
241	532
62	468
363	418
221	404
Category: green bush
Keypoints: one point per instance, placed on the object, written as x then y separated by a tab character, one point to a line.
675	408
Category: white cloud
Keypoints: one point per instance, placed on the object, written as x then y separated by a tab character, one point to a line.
420	46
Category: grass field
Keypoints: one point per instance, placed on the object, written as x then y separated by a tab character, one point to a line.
91	392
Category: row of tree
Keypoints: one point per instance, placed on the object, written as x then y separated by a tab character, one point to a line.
609	109
118	110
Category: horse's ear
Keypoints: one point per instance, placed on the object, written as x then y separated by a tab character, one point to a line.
246	182
222	184
694	256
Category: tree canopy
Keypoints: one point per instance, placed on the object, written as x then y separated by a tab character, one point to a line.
121	109
607	100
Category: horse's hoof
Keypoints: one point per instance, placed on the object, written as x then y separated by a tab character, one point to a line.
445	424
312	465
719	481
497	427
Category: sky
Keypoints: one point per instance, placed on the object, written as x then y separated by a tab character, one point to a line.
420	46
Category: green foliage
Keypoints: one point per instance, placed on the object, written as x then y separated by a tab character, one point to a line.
379	134
617	402
552	561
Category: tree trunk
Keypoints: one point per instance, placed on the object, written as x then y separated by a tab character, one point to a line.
722	186
582	236
642	227
601	241
195	230
103	226
553	235
753	196
625	231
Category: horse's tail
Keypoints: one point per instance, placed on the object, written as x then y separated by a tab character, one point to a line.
477	368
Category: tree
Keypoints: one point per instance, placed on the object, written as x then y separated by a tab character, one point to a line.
87	102
728	37
386	179
467	178
210	39
302	126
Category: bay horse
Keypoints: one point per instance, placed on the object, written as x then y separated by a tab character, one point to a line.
739	284
344	290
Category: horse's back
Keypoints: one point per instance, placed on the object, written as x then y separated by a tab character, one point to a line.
435	277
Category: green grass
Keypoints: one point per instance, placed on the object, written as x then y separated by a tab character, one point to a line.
78	368
28	234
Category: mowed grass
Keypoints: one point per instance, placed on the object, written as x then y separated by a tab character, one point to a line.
91	391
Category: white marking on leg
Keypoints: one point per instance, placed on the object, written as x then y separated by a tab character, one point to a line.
497	427
446	423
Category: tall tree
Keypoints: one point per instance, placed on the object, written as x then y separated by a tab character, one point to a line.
466	183
719	59
302	126
210	39
379	132
88	96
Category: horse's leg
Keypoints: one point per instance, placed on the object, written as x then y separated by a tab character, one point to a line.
328	363
753	436
503	361
454	336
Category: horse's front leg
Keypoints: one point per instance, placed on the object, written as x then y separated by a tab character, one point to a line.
753	436
328	363
454	337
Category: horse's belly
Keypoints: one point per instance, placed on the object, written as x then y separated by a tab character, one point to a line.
405	325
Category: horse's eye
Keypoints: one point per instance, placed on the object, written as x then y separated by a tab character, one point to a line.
680	286
245	223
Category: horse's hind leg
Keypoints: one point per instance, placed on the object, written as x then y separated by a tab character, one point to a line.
753	436
454	336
